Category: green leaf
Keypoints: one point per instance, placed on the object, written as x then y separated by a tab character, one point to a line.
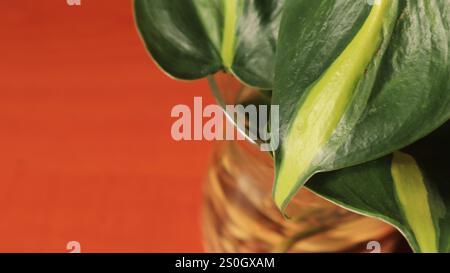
410	191
356	82
191	39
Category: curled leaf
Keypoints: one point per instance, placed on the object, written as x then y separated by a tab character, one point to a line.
361	82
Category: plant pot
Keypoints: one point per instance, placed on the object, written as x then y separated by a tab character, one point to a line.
239	214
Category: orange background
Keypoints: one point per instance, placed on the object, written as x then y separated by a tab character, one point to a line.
85	148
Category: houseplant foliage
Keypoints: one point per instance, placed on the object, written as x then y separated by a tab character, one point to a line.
376	86
409	189
360	88
195	38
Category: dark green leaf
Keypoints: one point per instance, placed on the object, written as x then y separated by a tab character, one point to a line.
355	83
419	208
191	39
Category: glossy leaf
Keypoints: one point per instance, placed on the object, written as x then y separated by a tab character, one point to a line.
356	82
410	190
191	39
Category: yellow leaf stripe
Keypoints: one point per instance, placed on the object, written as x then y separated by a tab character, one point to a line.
413	197
325	105
229	32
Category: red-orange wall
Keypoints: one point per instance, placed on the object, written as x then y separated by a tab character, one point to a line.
85	147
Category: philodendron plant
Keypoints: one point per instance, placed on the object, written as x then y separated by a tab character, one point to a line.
362	87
